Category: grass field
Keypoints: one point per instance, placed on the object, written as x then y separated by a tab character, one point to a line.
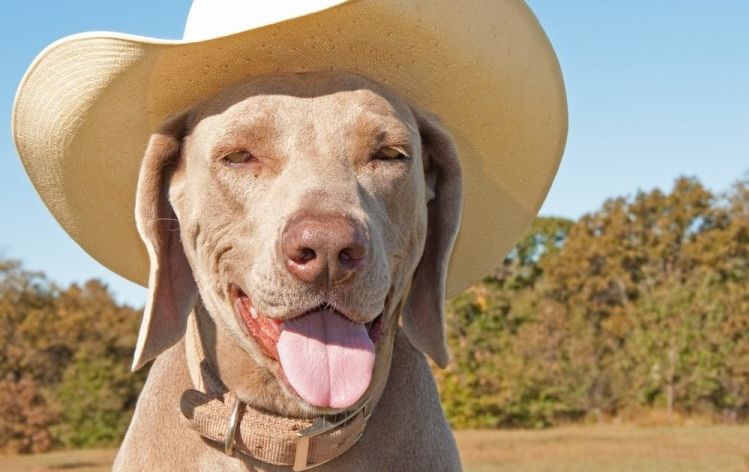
579	449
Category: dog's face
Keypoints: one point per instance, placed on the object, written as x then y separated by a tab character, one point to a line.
304	206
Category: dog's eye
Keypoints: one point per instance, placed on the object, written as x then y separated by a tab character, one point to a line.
237	157
389	153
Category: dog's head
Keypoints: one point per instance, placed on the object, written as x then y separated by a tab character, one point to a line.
300	208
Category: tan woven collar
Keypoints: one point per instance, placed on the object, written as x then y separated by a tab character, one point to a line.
218	415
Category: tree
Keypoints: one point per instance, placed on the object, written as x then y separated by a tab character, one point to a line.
642	304
64	358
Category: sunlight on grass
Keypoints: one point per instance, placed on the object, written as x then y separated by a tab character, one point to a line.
607	448
576	448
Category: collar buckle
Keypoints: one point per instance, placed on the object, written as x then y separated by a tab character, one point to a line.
322	426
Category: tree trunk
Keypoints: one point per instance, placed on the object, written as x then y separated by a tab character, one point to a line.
670	374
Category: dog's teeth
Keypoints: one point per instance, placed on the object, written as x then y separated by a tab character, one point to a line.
253	312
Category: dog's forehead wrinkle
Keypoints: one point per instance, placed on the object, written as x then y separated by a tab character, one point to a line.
239	128
329	96
311	86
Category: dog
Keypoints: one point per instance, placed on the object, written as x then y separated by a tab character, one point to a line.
299	228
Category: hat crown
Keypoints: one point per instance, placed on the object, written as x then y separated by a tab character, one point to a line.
214	18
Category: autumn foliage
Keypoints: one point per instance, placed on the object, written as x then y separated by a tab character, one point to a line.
642	305
64	364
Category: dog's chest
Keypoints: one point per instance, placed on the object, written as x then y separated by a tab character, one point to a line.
214	461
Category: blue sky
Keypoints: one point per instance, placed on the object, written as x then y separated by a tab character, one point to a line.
656	90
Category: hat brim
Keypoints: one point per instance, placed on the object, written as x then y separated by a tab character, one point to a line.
87	105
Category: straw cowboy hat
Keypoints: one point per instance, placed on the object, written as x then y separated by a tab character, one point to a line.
88	103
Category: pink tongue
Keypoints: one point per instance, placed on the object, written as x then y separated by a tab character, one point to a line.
326	358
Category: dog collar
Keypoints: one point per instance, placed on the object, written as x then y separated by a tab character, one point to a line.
219	416
300	443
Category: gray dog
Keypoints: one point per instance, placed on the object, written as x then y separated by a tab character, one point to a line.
298	226
290	220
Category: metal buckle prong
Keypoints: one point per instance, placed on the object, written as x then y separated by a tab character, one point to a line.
231	428
321	426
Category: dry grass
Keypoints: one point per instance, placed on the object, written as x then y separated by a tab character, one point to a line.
608	448
91	460
578	448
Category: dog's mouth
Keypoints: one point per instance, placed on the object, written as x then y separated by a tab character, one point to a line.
325	357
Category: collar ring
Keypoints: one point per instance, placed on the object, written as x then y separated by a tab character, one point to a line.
231	428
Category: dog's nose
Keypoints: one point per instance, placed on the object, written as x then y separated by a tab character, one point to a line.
324	250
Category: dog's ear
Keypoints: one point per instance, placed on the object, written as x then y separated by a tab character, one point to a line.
172	291
424	317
